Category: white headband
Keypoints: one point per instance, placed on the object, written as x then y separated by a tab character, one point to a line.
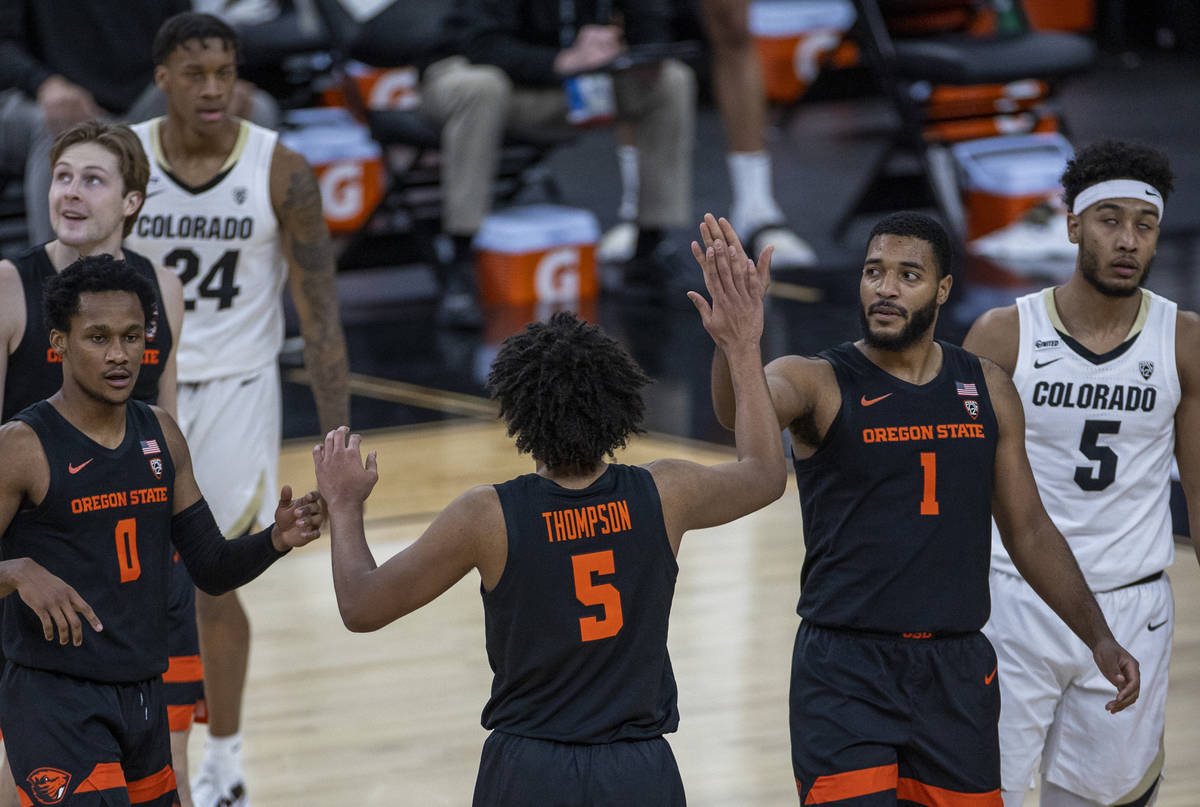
1118	189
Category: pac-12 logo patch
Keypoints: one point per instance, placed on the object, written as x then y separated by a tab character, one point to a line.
239	195
48	785
972	407
1146	368
156	466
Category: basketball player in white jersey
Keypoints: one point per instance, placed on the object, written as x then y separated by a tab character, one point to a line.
1109	374
235	215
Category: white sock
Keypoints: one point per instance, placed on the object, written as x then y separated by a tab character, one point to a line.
224	749
627	163
754	203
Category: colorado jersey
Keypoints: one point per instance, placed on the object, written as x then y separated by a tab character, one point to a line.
896	501
222	239
577	626
1100	433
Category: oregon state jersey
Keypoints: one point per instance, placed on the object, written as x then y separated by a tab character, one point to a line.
35	370
577	626
1100	433
104	527
896	501
222	239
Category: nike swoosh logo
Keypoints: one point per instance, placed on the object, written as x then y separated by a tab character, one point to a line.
74	469
1151	193
1156	627
872	401
1037	365
989	677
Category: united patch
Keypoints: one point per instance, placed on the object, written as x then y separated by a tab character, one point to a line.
1146	368
972	407
156	466
48	785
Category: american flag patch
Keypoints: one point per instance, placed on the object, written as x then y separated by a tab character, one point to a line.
966	389
150	447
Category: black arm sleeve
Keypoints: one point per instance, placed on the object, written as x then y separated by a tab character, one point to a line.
215	564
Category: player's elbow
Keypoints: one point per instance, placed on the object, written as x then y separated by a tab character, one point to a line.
356	619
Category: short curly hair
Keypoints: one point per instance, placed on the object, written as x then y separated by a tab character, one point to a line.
94	273
1116	159
569	393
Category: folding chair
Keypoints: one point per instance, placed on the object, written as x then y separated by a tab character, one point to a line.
907	67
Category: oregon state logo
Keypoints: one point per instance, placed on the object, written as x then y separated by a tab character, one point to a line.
972	407
48	785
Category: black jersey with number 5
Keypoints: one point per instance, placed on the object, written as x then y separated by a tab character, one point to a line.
577	625
104	527
896	500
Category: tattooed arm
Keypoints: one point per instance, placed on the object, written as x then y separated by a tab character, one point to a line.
297	202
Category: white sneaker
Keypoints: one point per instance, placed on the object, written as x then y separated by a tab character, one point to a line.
791	251
219	784
618	244
1039	235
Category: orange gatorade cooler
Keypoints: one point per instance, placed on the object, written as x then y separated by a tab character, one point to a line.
347	162
1003	177
792	38
379	87
537	253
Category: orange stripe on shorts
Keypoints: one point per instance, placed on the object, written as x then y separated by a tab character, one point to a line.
852	784
180	717
153	786
183	670
105	776
930	796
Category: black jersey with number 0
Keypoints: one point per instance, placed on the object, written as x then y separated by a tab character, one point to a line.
577	625
104	527
896	500
35	371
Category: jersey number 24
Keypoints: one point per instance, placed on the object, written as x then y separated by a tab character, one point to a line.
217	283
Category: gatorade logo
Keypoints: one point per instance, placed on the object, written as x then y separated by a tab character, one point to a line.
556	278
806	61
395	89
342	190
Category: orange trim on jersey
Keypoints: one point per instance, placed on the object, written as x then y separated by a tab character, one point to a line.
152	787
853	784
23	799
183	670
179	718
930	796
105	776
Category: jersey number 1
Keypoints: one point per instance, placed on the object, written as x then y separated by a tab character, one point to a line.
127	554
605	594
929	503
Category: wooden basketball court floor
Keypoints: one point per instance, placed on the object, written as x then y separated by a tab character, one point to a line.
392	717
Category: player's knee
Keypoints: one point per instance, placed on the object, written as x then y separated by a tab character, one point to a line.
482	85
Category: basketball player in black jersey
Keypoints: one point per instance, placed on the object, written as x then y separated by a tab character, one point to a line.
94	491
904	448
577	560
99	173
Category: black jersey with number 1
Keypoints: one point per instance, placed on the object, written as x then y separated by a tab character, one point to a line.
104	527
896	501
577	626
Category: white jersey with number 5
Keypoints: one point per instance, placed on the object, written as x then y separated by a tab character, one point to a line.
222	239
1100	432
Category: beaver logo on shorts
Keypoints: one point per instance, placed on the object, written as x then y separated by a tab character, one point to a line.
48	785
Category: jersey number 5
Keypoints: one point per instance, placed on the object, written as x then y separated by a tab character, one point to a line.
1087	477
217	283
127	554
605	594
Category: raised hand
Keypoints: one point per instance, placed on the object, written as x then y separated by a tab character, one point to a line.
55	602
736	286
342	476
297	522
712	228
